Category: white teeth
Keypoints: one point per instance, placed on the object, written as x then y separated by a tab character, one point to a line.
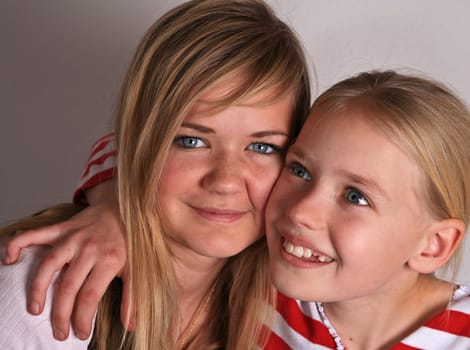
302	252
298	252
289	247
307	253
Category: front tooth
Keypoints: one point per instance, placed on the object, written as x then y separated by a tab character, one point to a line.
302	252
289	247
298	252
307	253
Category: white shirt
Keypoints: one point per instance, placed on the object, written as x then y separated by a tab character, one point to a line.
20	330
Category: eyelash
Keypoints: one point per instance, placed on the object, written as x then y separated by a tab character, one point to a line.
299	170
271	148
274	148
359	194
180	141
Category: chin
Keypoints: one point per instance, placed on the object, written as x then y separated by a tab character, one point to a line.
294	293
285	283
221	250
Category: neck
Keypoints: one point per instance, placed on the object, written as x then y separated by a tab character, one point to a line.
195	275
381	320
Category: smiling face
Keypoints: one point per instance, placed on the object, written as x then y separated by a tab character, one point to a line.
346	213
219	173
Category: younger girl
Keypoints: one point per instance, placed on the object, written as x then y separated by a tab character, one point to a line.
374	198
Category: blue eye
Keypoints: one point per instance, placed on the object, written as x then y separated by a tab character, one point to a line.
263	148
299	171
356	197
189	142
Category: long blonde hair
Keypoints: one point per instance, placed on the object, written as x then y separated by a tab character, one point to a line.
429	122
190	50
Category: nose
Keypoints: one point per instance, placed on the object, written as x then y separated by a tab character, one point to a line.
225	175
307	209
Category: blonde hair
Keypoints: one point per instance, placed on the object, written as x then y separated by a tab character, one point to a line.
46	217
193	48
425	119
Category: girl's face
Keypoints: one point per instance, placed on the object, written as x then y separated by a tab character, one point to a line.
219	173
346	214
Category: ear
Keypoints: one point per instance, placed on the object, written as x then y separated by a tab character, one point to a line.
438	245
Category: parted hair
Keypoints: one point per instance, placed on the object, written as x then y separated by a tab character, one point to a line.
428	121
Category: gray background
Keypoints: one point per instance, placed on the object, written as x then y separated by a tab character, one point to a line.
62	62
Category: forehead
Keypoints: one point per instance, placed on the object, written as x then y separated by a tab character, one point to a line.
358	116
241	90
351	140
225	96
252	116
353	129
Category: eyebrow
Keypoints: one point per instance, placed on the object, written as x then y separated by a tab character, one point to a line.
198	127
300	153
207	130
372	185
369	183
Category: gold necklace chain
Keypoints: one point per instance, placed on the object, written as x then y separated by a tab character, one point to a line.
186	335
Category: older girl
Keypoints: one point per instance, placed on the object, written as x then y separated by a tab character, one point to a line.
214	94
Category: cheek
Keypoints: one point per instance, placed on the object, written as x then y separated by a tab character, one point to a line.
171	171
179	171
260	183
355	239
277	202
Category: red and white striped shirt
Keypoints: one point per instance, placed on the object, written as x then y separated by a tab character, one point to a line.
301	324
101	166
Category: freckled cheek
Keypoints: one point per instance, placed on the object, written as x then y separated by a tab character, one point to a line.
260	185
171	176
181	168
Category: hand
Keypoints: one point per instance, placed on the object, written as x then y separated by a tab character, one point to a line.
90	250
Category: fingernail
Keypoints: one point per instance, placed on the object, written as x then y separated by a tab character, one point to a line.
58	334
34	308
81	335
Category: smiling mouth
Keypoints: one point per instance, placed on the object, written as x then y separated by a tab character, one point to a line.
305	253
220	215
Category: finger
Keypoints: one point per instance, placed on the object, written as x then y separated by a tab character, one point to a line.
128	315
66	291
51	263
44	235
88	299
